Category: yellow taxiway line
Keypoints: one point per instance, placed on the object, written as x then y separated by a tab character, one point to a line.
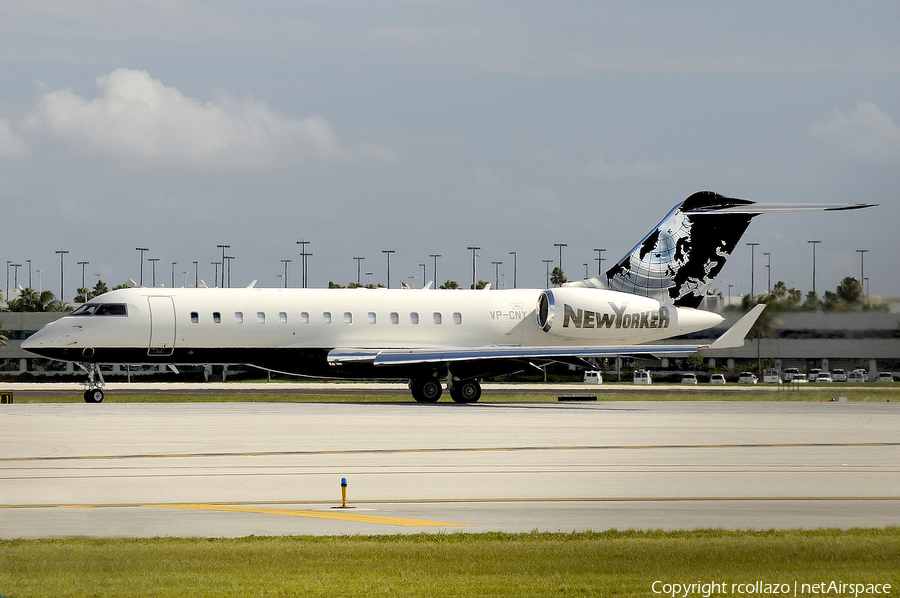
339	515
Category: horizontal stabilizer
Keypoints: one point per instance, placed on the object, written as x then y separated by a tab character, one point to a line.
775	208
733	338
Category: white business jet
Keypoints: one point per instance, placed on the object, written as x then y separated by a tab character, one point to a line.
432	338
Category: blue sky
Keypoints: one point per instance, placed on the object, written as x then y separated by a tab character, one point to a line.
425	127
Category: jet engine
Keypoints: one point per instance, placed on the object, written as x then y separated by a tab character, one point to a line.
600	315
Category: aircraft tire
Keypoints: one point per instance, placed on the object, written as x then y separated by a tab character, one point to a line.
427	390
93	395
466	391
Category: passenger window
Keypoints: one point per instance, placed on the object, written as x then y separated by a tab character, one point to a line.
326	317
217	317
395	318
414	317
372	317
304	317
195	317
261	317
437	317
282	317
348	317
239	317
457	317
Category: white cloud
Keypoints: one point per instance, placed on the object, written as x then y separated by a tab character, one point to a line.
139	121
866	134
11	143
636	170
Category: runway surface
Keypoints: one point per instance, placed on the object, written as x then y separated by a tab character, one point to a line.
238	469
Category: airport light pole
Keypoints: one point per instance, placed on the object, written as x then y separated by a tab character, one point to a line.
388	253
585	272
599	259
560	245
82	264
368	279
284	282
196	275
29	274
424	275
223	248
768	272
515	259
173	274
752	268
303	262
62	254
548	262
142	250
496	274
216	275
229	258
16	275
435	256
474	249
862	269
814	243
358	263
153	261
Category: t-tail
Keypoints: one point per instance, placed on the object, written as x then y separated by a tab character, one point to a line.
680	258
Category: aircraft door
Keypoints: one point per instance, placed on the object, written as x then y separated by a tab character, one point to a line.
162	326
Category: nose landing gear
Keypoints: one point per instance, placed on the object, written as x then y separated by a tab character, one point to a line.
95	382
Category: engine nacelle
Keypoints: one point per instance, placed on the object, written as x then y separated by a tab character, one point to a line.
599	316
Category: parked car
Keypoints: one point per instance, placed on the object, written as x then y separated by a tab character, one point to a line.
813	374
772	376
789	374
838	375
747	378
689	379
798	378
824	377
856	376
642	377
884	377
593	377
717	379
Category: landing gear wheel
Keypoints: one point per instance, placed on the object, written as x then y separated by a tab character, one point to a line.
466	391
93	395
427	390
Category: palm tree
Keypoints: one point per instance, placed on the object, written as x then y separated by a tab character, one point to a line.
31	300
558	277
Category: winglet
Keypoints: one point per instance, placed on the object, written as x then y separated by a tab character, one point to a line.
734	337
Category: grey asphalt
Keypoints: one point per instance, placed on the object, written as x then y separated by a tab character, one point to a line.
238	469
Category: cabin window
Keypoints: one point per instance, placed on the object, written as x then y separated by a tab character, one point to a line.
111	309
239	317
217	317
195	317
414	317
348	317
372	317
457	317
304	317
326	317
395	318
261	317
282	317
437	317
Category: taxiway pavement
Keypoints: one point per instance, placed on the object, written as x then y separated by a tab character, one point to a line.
238	469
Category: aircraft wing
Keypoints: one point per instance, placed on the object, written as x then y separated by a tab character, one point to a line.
733	337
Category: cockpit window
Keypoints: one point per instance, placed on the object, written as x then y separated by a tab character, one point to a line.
101	309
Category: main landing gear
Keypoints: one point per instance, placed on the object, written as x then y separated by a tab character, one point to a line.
428	390
95	382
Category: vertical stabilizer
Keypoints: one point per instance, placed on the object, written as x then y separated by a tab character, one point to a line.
679	259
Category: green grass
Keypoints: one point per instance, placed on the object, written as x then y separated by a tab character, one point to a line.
823	393
581	564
